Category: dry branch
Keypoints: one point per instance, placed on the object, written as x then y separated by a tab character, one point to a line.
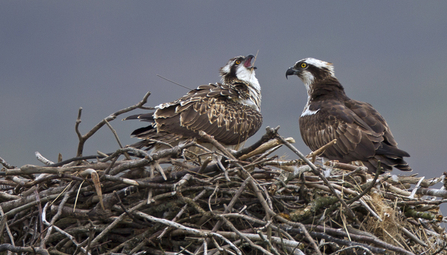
83	138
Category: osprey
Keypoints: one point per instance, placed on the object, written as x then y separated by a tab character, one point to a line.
361	132
230	111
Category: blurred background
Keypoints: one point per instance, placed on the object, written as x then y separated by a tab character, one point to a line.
57	56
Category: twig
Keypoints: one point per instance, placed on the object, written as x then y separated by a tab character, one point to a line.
228	208
366	250
4	224
44	220
17	249
115	222
83	138
432	192
202	233
411	236
116	137
316	172
56	217
179	214
265	146
376	176
5	164
176	83
43	159
355	237
30	204
321	150
215	143
231	226
270	134
253	237
159	169
416	188
303	230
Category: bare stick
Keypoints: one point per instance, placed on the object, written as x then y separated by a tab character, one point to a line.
228	208
117	138
203	233
369	187
83	138
316	172
176	83
115	222
264	147
4	224
18	249
321	150
5	164
365	250
179	214
43	159
44	220
56	217
256	56
215	143
232	227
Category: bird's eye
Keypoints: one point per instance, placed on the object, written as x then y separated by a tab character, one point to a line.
303	65
237	62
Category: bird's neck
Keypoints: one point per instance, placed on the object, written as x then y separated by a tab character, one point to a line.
326	89
249	94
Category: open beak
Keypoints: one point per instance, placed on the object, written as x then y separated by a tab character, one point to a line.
248	64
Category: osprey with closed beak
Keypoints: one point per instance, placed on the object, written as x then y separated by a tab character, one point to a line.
361	132
230	111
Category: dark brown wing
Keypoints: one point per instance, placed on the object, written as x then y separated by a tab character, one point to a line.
387	152
361	133
372	119
213	109
335	121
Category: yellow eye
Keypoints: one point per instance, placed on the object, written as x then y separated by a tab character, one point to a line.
238	62
303	65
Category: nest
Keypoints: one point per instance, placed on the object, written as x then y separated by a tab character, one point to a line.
179	201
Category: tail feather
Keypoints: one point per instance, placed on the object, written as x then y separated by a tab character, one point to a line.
145	132
142	117
386	163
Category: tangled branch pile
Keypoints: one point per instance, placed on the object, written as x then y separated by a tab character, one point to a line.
249	202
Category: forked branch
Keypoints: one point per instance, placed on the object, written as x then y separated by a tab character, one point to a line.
83	138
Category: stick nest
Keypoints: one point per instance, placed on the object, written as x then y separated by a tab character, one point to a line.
188	200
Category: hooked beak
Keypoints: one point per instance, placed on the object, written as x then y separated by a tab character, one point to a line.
291	71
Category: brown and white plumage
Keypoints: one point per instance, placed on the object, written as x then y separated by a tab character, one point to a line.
230	111
361	132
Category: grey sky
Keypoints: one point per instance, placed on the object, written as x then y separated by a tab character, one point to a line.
57	56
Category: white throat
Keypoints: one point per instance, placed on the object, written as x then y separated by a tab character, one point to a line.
307	79
249	77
